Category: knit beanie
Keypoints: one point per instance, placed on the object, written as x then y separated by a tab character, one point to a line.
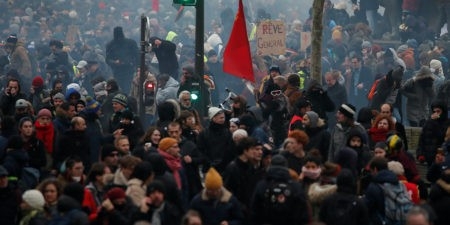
166	143
213	180
213	111
34	199
59	95
73	86
44	112
115	193
38	82
435	64
396	167
120	99
92	105
313	118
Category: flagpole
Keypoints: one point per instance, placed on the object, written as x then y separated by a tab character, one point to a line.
199	53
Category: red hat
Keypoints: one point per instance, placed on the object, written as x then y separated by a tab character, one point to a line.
115	193
38	81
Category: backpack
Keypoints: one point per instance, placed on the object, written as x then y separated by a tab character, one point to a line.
277	197
345	208
397	203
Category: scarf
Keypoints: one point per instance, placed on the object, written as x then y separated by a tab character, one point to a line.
311	173
174	164
46	134
378	135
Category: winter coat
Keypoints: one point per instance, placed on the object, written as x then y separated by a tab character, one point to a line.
298	213
236	177
9	204
432	136
169	91
339	138
136	190
167	59
215	143
439	200
319	138
374	196
357	211
36	152
169	215
420	93
8	103
73	143
15	160
94	131
118	216
213	211
192	169
20	61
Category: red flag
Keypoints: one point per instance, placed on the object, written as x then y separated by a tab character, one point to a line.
155	5
237	59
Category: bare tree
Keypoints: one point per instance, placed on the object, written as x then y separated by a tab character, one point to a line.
316	40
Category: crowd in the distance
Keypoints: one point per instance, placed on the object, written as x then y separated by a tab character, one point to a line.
286	149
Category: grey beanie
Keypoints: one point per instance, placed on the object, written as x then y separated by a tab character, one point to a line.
313	118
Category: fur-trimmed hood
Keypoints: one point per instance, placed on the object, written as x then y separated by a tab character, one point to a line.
225	196
424	73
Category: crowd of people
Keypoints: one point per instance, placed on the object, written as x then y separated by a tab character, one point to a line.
293	150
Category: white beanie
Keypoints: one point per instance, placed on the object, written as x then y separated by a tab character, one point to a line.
396	167
213	111
34	199
435	64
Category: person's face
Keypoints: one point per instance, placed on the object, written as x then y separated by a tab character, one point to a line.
219	118
13	87
213	59
249	153
123	145
330	81
379	152
194	220
416	219
213	193
3	181
27	129
157	198
50	193
311	165
80	107
156	136
190	122
292	145
355	142
72	112
57	102
383	124
305	109
77	169
436	113
340	118
186	101
80	125
117	107
258	153
58	87
174	150
274	73
385	110
112	159
44	120
174	132
233	127
305	120
355	63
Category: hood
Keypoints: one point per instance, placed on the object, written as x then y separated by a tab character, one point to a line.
424	73
172	83
385	176
19	154
278	173
118	33
66	203
355	132
443	107
70	92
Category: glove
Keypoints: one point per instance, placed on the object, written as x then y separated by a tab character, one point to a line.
421	158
